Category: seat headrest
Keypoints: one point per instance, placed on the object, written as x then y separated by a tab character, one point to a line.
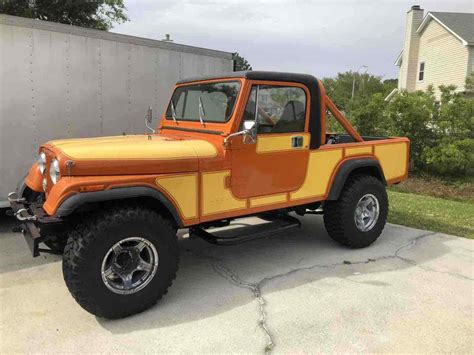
293	111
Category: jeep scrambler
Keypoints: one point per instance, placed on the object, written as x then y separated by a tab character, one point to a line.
242	144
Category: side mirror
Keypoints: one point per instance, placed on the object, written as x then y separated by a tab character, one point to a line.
248	125
250	132
148	119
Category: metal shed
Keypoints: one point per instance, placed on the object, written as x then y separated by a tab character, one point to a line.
61	81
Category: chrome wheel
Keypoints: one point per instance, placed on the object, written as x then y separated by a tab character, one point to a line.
129	265
366	213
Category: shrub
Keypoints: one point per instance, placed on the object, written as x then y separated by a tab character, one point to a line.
451	158
440	133
369	119
452	152
410	115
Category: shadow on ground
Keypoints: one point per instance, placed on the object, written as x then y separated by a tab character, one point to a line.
6	222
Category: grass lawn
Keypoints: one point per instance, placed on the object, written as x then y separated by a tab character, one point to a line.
431	213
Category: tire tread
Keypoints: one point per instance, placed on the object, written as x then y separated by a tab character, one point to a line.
82	237
336	211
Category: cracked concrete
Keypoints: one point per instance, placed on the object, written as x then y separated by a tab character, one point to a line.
295	292
255	288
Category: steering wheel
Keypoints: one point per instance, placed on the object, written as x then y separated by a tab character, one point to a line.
332	139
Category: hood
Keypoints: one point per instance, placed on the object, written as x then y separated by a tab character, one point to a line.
134	154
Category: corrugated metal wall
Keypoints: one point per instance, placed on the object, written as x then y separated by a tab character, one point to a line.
59	81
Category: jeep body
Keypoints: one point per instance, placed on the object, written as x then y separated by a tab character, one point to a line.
241	144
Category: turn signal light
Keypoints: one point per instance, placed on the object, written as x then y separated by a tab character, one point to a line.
91	188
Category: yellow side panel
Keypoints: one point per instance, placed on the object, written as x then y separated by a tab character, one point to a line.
358	151
267	200
183	190
393	158
216	197
320	168
277	143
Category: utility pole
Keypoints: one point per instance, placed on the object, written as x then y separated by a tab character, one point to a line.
354	79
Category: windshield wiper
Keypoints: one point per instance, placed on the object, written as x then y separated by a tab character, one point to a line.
201	111
173	112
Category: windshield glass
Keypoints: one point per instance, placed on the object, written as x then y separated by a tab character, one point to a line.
213	102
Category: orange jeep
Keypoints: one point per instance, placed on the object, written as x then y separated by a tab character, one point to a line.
242	144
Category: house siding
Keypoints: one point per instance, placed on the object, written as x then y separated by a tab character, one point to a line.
446	59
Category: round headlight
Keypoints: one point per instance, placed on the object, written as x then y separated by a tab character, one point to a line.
54	171
42	162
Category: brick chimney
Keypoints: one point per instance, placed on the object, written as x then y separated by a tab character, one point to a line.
409	67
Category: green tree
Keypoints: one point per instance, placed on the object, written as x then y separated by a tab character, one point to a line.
470	83
97	14
440	131
339	89
453	150
369	119
365	109
240	63
390	84
410	115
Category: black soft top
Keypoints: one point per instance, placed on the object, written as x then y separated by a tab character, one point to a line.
257	75
308	80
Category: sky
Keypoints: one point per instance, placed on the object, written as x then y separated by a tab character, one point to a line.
307	36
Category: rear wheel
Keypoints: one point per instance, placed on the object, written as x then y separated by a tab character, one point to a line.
358	217
121	262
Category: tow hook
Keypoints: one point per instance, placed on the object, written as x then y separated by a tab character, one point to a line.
13	197
20	215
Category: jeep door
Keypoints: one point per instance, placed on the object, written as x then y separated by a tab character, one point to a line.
276	162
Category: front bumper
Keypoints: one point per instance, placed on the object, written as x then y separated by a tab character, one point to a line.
35	225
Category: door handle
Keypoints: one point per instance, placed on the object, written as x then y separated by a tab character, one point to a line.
296	141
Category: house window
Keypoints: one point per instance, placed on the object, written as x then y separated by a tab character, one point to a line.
421	73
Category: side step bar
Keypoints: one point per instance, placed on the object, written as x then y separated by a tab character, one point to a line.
279	223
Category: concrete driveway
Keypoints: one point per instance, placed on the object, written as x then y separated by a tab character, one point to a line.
412	291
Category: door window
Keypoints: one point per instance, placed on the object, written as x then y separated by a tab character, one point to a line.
281	109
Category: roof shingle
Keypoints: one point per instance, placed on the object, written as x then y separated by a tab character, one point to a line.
459	22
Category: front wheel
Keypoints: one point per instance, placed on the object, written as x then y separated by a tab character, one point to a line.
121	262
358	217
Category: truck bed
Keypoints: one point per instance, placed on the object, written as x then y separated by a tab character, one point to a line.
345	138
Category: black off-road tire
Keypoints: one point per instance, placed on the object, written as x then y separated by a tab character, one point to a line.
91	240
339	215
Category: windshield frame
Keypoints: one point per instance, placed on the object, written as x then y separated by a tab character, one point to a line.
168	117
